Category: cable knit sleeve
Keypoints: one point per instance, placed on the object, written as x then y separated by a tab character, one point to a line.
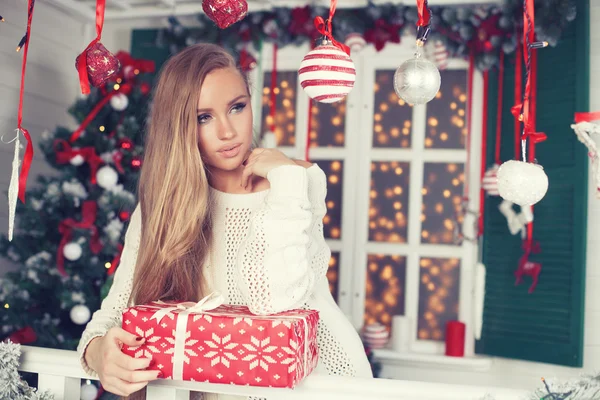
285	253
110	312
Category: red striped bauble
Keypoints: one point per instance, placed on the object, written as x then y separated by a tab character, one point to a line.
490	181
376	335
327	74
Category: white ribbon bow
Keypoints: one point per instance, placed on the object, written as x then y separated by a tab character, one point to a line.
210	302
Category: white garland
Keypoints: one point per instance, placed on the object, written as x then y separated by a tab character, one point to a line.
585	387
584	130
11	385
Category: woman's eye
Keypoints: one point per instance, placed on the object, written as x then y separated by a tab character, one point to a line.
238	107
203	118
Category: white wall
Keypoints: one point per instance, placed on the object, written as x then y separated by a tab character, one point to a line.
526	375
51	84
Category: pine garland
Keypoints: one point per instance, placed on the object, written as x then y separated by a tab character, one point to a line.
12	387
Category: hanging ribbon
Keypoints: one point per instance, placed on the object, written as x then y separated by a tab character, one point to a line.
497	159
124	89
470	77
88	219
272	103
26	165
484	130
115	262
324	28
82	60
65	153
424	22
587	116
516	109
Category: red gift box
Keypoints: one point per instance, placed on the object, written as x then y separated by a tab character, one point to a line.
215	343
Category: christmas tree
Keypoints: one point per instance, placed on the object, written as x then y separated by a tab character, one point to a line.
70	232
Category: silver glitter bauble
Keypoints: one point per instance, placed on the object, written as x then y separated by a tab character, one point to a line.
522	183
417	80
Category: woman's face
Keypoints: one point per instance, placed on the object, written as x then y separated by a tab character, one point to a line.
224	120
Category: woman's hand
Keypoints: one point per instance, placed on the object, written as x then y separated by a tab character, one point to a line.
119	373
261	161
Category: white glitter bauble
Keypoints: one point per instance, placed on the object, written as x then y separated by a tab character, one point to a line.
522	183
327	74
489	182
107	177
72	251
77	160
376	335
356	42
88	392
417	80
80	314
119	102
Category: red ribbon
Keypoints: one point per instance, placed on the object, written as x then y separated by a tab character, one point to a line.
324	28
28	157
82	61
471	74
424	13
125	89
484	124
88	218
23	336
499	109
141	65
115	262
88	154
273	86
516	109
587	117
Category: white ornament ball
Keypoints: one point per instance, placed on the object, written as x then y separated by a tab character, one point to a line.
80	314
327	74
119	102
77	160
376	335
417	80
107	177
355	41
72	251
88	392
522	183
489	182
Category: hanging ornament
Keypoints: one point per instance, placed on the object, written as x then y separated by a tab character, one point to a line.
96	64
327	73
107	177
516	222
225	12
584	127
119	102
489	183
80	314
438	54
521	182
355	41
376	335
88	391
418	80
529	268
72	251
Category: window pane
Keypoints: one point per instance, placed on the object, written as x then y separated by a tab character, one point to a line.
333	274
392	119
332	223
285	106
442	193
446	114
438	296
328	124
388	212
386	277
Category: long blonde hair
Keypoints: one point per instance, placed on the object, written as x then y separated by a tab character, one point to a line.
173	188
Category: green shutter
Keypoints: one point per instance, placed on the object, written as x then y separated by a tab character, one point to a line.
547	325
143	45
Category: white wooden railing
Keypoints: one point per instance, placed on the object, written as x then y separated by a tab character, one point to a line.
59	372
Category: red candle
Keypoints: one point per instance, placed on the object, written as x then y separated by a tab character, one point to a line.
455	339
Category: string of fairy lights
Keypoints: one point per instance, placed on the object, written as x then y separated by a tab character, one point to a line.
389	194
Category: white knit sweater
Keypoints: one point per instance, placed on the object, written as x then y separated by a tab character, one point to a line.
268	252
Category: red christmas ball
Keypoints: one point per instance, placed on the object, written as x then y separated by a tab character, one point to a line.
145	88
225	12
101	64
124	215
126	144
136	162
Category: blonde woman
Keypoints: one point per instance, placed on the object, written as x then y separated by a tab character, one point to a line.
216	214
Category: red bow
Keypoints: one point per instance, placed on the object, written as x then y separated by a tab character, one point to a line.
587	117
88	219
88	154
325	28
23	336
536	137
382	33
141	65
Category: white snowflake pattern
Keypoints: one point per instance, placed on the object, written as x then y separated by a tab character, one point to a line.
220	350
240	319
149	346
186	352
290	352
260	353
